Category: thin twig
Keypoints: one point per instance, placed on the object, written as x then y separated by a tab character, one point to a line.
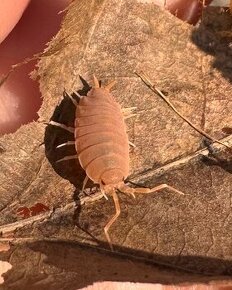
180	162
89	199
31	239
151	86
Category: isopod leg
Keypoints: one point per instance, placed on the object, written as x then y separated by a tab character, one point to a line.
128	111
113	219
68	158
96	82
129	116
71	97
129	190
84	183
110	85
160	187
69	129
66	144
103	191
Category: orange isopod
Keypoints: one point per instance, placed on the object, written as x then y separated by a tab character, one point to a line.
102	144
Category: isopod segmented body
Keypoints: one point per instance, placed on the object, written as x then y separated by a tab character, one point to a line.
102	145
101	140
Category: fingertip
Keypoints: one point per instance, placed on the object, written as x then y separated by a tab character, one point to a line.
10	13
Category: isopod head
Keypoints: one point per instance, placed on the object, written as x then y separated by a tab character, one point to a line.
112	176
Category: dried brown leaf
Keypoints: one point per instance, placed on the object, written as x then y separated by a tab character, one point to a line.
192	232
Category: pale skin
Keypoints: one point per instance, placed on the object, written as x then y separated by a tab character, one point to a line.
29	33
23	33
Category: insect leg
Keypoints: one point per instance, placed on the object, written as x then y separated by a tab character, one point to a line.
68	158
113	219
157	188
110	85
72	99
96	82
127	111
129	116
66	143
129	190
67	128
103	191
84	183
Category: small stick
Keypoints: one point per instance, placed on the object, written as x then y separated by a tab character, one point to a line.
146	80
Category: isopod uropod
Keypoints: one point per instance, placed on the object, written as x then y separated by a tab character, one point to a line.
102	145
